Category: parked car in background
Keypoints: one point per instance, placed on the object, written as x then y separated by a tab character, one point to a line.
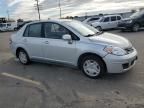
8	26
107	22
12	26
134	22
91	20
20	25
73	43
3	27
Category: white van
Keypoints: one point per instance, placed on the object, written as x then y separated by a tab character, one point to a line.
12	26
107	22
8	26
3	27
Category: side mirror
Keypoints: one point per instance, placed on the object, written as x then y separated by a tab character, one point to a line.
67	37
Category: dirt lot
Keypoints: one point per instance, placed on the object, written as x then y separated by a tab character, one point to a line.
50	86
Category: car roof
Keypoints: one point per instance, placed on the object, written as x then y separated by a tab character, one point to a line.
110	15
54	20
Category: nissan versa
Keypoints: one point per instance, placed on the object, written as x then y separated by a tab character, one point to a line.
73	43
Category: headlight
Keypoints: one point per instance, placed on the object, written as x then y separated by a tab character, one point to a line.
129	21
115	50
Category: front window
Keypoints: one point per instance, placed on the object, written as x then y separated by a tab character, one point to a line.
55	31
107	19
81	28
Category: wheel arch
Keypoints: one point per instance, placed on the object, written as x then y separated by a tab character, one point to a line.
88	54
18	49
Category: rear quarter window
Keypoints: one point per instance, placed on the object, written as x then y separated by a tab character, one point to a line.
26	31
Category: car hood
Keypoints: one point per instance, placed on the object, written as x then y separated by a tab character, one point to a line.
126	19
111	39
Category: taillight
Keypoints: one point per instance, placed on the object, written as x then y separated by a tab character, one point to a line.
10	41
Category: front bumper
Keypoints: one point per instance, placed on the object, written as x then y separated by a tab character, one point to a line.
119	64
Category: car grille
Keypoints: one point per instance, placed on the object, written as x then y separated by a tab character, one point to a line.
129	50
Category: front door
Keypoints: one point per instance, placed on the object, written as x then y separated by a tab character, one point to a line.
57	49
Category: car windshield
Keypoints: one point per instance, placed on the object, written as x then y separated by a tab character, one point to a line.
82	29
137	14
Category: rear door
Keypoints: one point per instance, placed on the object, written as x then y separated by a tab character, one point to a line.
33	40
105	24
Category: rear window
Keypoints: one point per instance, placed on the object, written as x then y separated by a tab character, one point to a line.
113	18
33	30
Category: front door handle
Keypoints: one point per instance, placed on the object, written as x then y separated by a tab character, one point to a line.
46	42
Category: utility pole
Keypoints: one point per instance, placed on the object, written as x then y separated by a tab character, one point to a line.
38	8
8	15
60	9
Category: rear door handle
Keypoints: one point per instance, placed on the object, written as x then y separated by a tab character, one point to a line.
25	40
46	42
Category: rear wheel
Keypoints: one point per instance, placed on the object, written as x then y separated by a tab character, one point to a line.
92	66
23	57
135	27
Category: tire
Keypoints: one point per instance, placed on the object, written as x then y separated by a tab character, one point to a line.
99	28
23	57
94	62
135	28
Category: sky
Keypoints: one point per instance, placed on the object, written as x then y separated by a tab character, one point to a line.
49	8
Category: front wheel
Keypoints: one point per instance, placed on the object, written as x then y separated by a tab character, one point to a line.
23	57
93	66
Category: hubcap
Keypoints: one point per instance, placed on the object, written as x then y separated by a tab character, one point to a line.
91	68
23	57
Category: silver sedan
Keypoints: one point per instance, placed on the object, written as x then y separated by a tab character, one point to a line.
73	43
